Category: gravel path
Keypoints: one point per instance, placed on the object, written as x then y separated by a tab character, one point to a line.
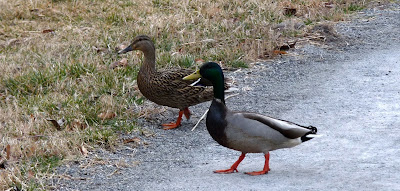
349	89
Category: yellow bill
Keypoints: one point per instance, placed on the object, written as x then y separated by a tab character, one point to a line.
194	76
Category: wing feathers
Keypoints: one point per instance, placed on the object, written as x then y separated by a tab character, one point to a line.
287	129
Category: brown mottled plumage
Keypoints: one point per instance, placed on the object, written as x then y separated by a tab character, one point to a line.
166	87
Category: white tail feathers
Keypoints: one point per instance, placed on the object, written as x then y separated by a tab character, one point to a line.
313	135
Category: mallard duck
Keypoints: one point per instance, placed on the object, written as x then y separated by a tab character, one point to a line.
244	131
166	87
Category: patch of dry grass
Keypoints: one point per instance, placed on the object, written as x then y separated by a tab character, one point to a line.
54	58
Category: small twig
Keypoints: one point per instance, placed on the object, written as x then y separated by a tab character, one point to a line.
65	176
201	118
205	40
115	171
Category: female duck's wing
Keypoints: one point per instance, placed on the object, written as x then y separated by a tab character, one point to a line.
168	88
173	78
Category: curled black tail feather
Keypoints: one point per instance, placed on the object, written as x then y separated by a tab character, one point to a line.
313	129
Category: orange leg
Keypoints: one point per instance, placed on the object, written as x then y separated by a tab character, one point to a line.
187	113
173	125
233	167
265	170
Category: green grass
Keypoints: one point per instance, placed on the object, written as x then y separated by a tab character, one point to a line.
184	61
238	64
308	22
45	164
353	8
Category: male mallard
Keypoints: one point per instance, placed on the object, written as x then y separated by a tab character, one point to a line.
166	87
244	131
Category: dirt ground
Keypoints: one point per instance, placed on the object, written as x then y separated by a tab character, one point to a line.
348	88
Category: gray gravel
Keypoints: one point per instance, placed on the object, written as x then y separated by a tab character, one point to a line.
349	89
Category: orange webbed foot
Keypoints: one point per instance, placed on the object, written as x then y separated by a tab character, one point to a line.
171	125
233	167
256	173
227	171
265	170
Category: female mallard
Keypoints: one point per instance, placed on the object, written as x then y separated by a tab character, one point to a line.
244	131
166	87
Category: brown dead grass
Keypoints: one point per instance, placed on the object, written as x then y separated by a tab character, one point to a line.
55	57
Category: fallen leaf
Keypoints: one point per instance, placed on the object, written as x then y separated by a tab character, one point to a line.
8	151
32	150
31	174
107	115
279	52
33	117
48	31
37	137
76	124
199	61
288	11
211	12
122	63
135	140
99	50
266	54
271	54
287	46
83	150
3	164
57	124
329	5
